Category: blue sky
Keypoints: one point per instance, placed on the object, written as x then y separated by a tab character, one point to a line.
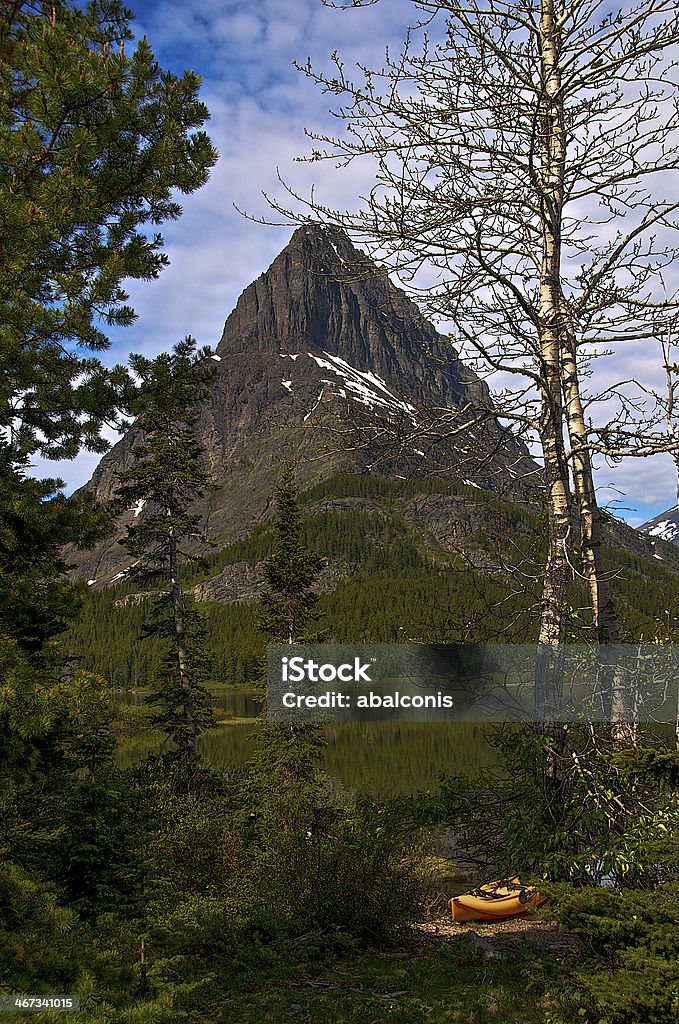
260	107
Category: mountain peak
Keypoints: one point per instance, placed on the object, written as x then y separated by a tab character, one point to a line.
322	294
329	245
326	363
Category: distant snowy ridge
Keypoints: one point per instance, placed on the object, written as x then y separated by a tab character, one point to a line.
666	530
664	527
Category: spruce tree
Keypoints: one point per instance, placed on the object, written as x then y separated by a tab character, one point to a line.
165	480
288	756
288	607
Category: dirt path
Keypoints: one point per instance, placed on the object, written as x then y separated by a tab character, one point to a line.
497	939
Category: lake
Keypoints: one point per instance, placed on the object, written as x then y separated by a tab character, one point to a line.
378	758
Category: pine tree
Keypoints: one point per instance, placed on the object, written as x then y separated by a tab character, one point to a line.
94	145
288	755
288	607
36	598
165	480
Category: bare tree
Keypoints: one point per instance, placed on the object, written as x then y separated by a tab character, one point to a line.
669	401
526	158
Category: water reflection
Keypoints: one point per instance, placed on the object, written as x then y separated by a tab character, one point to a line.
380	758
239	703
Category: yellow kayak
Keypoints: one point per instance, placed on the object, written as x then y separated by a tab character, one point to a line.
496	901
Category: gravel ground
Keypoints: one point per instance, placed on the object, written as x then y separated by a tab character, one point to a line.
495	939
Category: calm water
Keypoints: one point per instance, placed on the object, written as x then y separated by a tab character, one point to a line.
380	758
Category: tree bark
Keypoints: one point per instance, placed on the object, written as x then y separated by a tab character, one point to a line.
182	655
553	617
614	682
603	604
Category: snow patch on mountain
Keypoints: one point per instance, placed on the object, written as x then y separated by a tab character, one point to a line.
666	530
318	402
364	386
121	575
338	254
664	526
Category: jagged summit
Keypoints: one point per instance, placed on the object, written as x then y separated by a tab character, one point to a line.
326	364
323	294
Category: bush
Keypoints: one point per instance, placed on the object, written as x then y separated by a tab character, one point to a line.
276	858
632	936
350	867
38	938
599	815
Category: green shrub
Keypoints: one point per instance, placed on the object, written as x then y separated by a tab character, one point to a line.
631	939
38	938
350	867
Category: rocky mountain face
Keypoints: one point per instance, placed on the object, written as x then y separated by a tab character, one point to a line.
326	364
